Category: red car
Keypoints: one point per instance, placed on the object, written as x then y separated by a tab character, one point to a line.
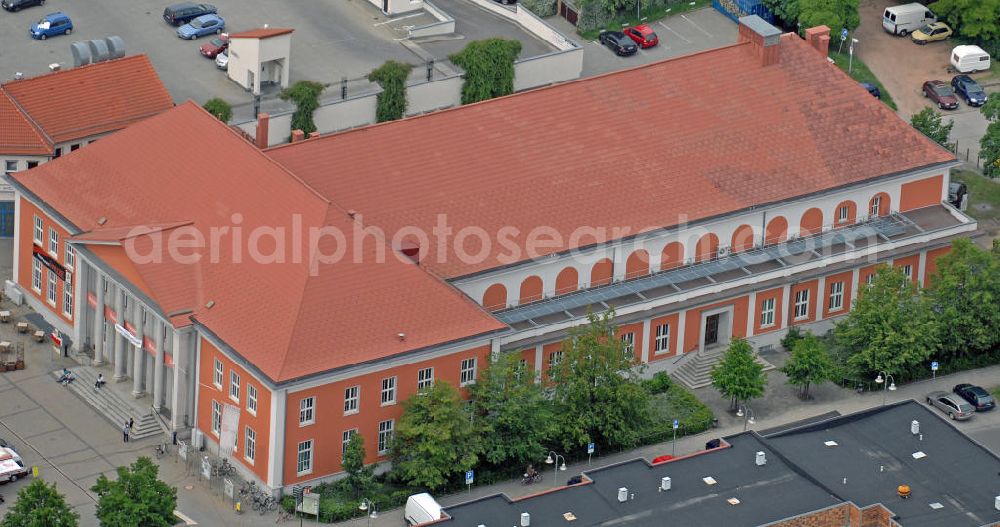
217	45
941	93
643	35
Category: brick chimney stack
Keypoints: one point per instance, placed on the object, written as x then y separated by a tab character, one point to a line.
260	139
819	38
766	39
298	135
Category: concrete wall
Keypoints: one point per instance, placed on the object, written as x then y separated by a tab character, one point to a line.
347	113
530	22
399	6
445	24
424	96
244	55
555	67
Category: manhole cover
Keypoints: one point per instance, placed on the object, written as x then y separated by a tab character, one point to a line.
983	207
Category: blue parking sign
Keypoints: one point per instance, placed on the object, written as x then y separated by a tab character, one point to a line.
677	424
590	448
843	34
934	366
468	477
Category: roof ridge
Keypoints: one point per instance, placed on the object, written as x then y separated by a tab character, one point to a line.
69	71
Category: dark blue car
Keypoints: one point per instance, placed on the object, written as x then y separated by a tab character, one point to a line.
51	25
969	90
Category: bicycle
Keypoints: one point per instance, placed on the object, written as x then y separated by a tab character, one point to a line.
528	479
160	450
284	515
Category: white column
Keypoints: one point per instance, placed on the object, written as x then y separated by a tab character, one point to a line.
820	297
494	349
98	330
618	260
751	313
681	323
538	363
786	309
276	454
138	377
645	341
855	275
159	331
178	401
120	361
921	272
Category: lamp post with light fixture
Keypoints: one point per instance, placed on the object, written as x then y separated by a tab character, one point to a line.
368	506
555	470
889	384
747	414
850	61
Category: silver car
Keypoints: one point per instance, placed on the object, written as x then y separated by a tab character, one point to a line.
222	60
951	404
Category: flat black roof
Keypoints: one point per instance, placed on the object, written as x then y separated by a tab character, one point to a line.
874	451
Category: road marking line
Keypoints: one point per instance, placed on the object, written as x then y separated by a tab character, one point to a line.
395	19
674	32
696	26
184	518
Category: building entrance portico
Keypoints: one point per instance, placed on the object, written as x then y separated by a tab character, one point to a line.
716	328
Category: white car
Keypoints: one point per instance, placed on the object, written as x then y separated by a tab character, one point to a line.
11	465
222	60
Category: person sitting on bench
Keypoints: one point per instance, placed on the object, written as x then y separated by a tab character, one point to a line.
100	382
66	377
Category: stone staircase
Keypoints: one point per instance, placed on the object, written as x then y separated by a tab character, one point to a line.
696	371
115	406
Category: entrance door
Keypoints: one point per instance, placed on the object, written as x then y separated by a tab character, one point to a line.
712	330
385	6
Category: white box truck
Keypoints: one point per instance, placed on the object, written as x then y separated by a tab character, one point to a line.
11	466
422	508
904	19
969	59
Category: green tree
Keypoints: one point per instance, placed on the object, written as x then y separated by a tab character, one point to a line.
989	144
391	76
220	109
597	393
786	10
39	505
834	14
976	19
738	375
305	95
929	122
809	364
136	499
359	477
891	327
489	68
514	417
965	292
435	439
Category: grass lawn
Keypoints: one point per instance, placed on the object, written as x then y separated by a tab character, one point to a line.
651	14
982	191
860	73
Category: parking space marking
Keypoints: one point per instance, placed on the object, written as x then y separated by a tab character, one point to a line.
183	517
397	19
699	28
668	28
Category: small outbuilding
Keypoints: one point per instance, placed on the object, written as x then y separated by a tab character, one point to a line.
260	56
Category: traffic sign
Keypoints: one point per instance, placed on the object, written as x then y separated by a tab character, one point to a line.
843	34
677	424
934	366
468	477
590	448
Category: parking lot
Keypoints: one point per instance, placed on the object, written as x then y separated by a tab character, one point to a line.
333	39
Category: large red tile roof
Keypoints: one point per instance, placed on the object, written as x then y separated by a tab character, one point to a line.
18	136
285	320
683	139
97	98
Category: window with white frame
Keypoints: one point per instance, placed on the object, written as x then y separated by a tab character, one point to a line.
662	342
843	213
555	358
304	463
51	293
908	271
234	386
53	242
216	417
388	391
628	345
251	399
836	296
468	375
801	304
68	295
875	206
351	398
70	256
39	231
425	378
36	275
10	166
384	436
346	440
870	279
767	313
307	411
217	374
250	445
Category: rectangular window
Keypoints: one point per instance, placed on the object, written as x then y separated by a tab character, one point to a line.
38	232
628	345
555	358
74	148
216	417
662	342
250	445
234	386
10	166
70	256
388	391
346	440
468	375
836	296
767	313
351	396
870	279
32	164
36	275
305	458
217	375
425	378
68	295
53	242
384	436
51	293
252	399
843	213
876	204
908	271
307	414
801	304
58	152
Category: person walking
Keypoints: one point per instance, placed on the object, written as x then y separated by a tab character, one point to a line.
125	430
131	424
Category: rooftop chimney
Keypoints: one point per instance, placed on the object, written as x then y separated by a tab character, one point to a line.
766	39
298	135
260	138
313	135
819	38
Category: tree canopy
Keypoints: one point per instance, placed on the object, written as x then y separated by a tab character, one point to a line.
136	499
976	19
391	76
929	122
810	363
305	95
990	142
965	292
489	68
40	505
738	375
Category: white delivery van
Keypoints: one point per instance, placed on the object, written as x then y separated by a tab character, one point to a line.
904	19
422	508
969	59
11	466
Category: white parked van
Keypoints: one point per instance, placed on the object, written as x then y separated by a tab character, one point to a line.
11	466
422	508
969	59
904	19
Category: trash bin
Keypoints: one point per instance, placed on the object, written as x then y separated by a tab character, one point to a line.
715	422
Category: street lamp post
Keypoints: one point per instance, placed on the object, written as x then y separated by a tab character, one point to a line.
368	506
747	414
889	384
555	470
850	61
